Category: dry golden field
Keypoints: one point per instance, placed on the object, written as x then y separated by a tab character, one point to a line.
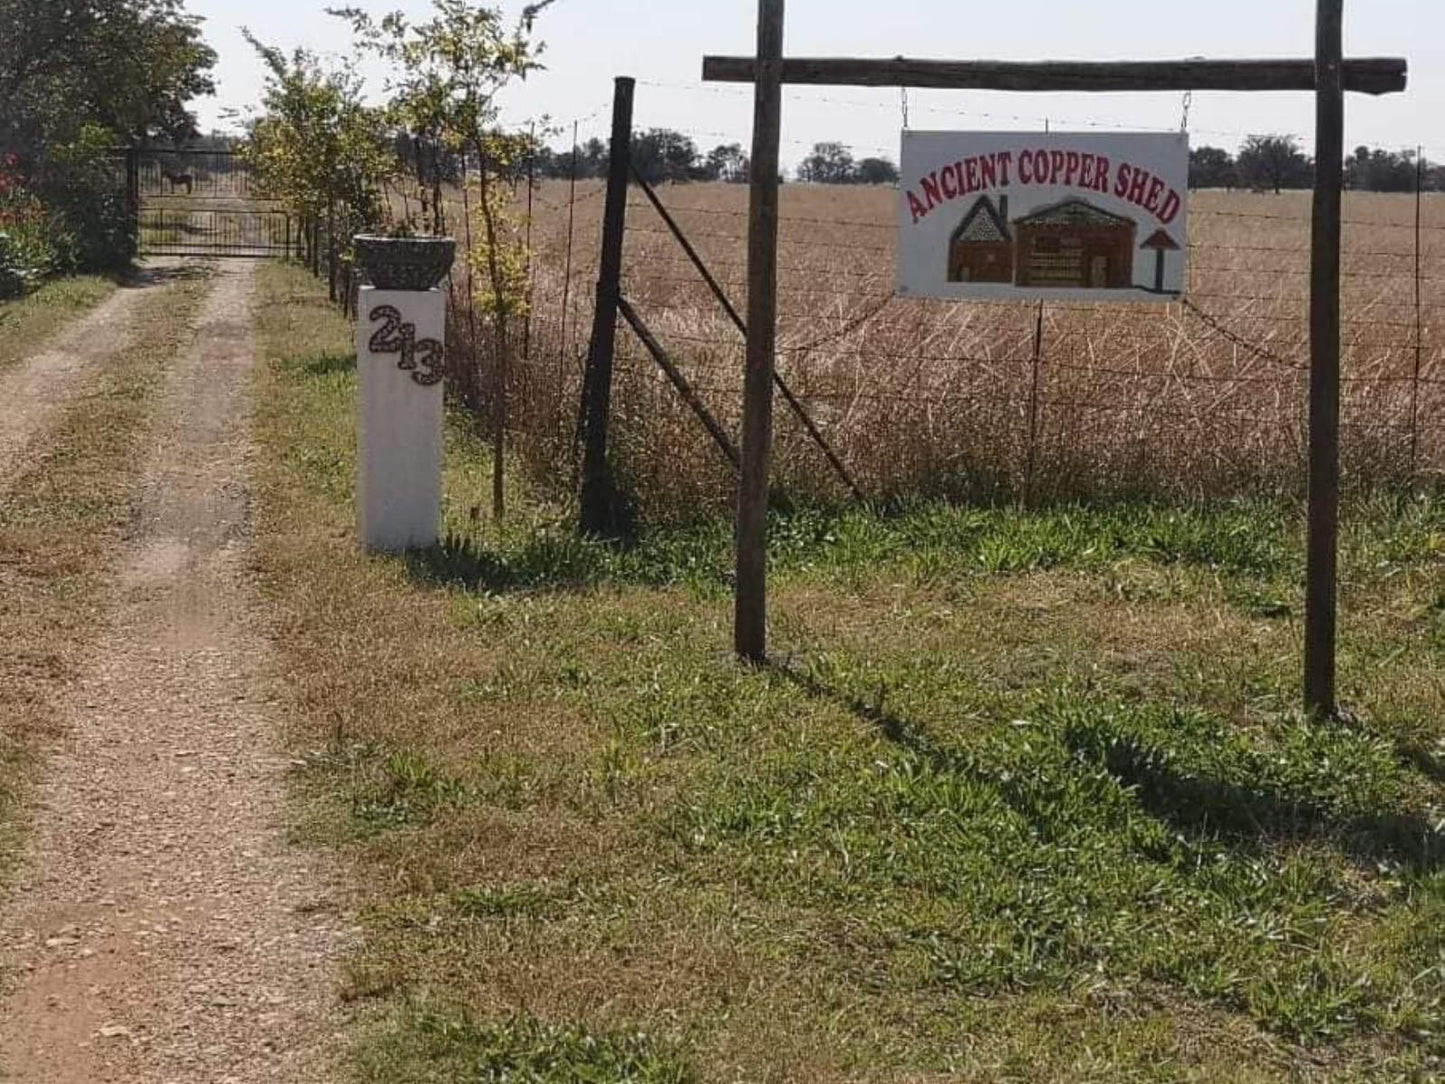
1201	399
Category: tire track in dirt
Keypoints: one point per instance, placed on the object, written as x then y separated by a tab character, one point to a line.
163	929
33	393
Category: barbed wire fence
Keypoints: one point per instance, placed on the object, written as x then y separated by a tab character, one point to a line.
893	396
1205	396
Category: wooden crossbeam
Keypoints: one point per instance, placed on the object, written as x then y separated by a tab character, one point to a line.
1369	75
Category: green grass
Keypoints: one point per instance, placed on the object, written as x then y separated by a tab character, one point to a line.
25	323
1023	797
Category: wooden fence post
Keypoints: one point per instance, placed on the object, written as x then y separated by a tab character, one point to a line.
1033	450
1321	595
750	632
598	506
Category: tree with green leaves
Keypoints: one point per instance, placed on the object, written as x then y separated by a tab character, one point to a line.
827	163
875	171
728	163
78	77
1378	170
1274	162
661	154
447	74
131	67
316	146
1212	167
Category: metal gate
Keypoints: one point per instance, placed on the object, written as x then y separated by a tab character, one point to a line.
202	203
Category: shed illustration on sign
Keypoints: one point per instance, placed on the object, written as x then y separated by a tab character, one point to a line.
1070	244
1074	244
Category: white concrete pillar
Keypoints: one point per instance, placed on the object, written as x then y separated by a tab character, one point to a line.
400	337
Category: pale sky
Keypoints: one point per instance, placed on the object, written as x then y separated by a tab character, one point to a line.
661	43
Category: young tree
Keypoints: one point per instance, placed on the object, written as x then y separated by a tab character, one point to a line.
1274	162
1212	167
447	74
828	163
316	146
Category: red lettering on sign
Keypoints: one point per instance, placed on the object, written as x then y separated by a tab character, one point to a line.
1005	163
988	171
973	182
1170	211
1026	168
931	191
948	181
1138	184
1101	175
916	208
1071	167
1056	165
1121	186
1156	189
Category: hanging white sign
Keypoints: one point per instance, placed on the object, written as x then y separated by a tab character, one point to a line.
1015	215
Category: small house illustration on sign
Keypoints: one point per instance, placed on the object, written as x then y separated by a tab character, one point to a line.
981	249
1161	243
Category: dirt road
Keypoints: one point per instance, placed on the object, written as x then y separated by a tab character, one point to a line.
34	391
162	930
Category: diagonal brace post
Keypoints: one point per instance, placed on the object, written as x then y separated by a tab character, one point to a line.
684	389
794	403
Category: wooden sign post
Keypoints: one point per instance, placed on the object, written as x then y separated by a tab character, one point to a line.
1329	75
1322	546
750	627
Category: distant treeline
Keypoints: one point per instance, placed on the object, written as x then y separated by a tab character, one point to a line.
1275	163
661	154
1266	163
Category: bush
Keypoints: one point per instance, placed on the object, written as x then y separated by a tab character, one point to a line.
26	249
92	230
62	217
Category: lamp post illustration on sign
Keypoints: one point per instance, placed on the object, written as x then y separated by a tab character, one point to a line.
1000	215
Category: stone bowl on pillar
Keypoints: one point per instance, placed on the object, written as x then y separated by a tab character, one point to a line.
405	263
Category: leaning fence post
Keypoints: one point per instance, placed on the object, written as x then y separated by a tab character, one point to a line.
598	511
1033	451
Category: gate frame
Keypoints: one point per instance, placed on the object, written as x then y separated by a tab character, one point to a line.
263	208
1329	75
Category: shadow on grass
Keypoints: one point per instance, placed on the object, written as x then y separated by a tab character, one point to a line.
1194	804
326	364
1202	804
1017	790
544	563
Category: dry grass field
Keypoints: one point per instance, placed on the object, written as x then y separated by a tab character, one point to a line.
938	398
